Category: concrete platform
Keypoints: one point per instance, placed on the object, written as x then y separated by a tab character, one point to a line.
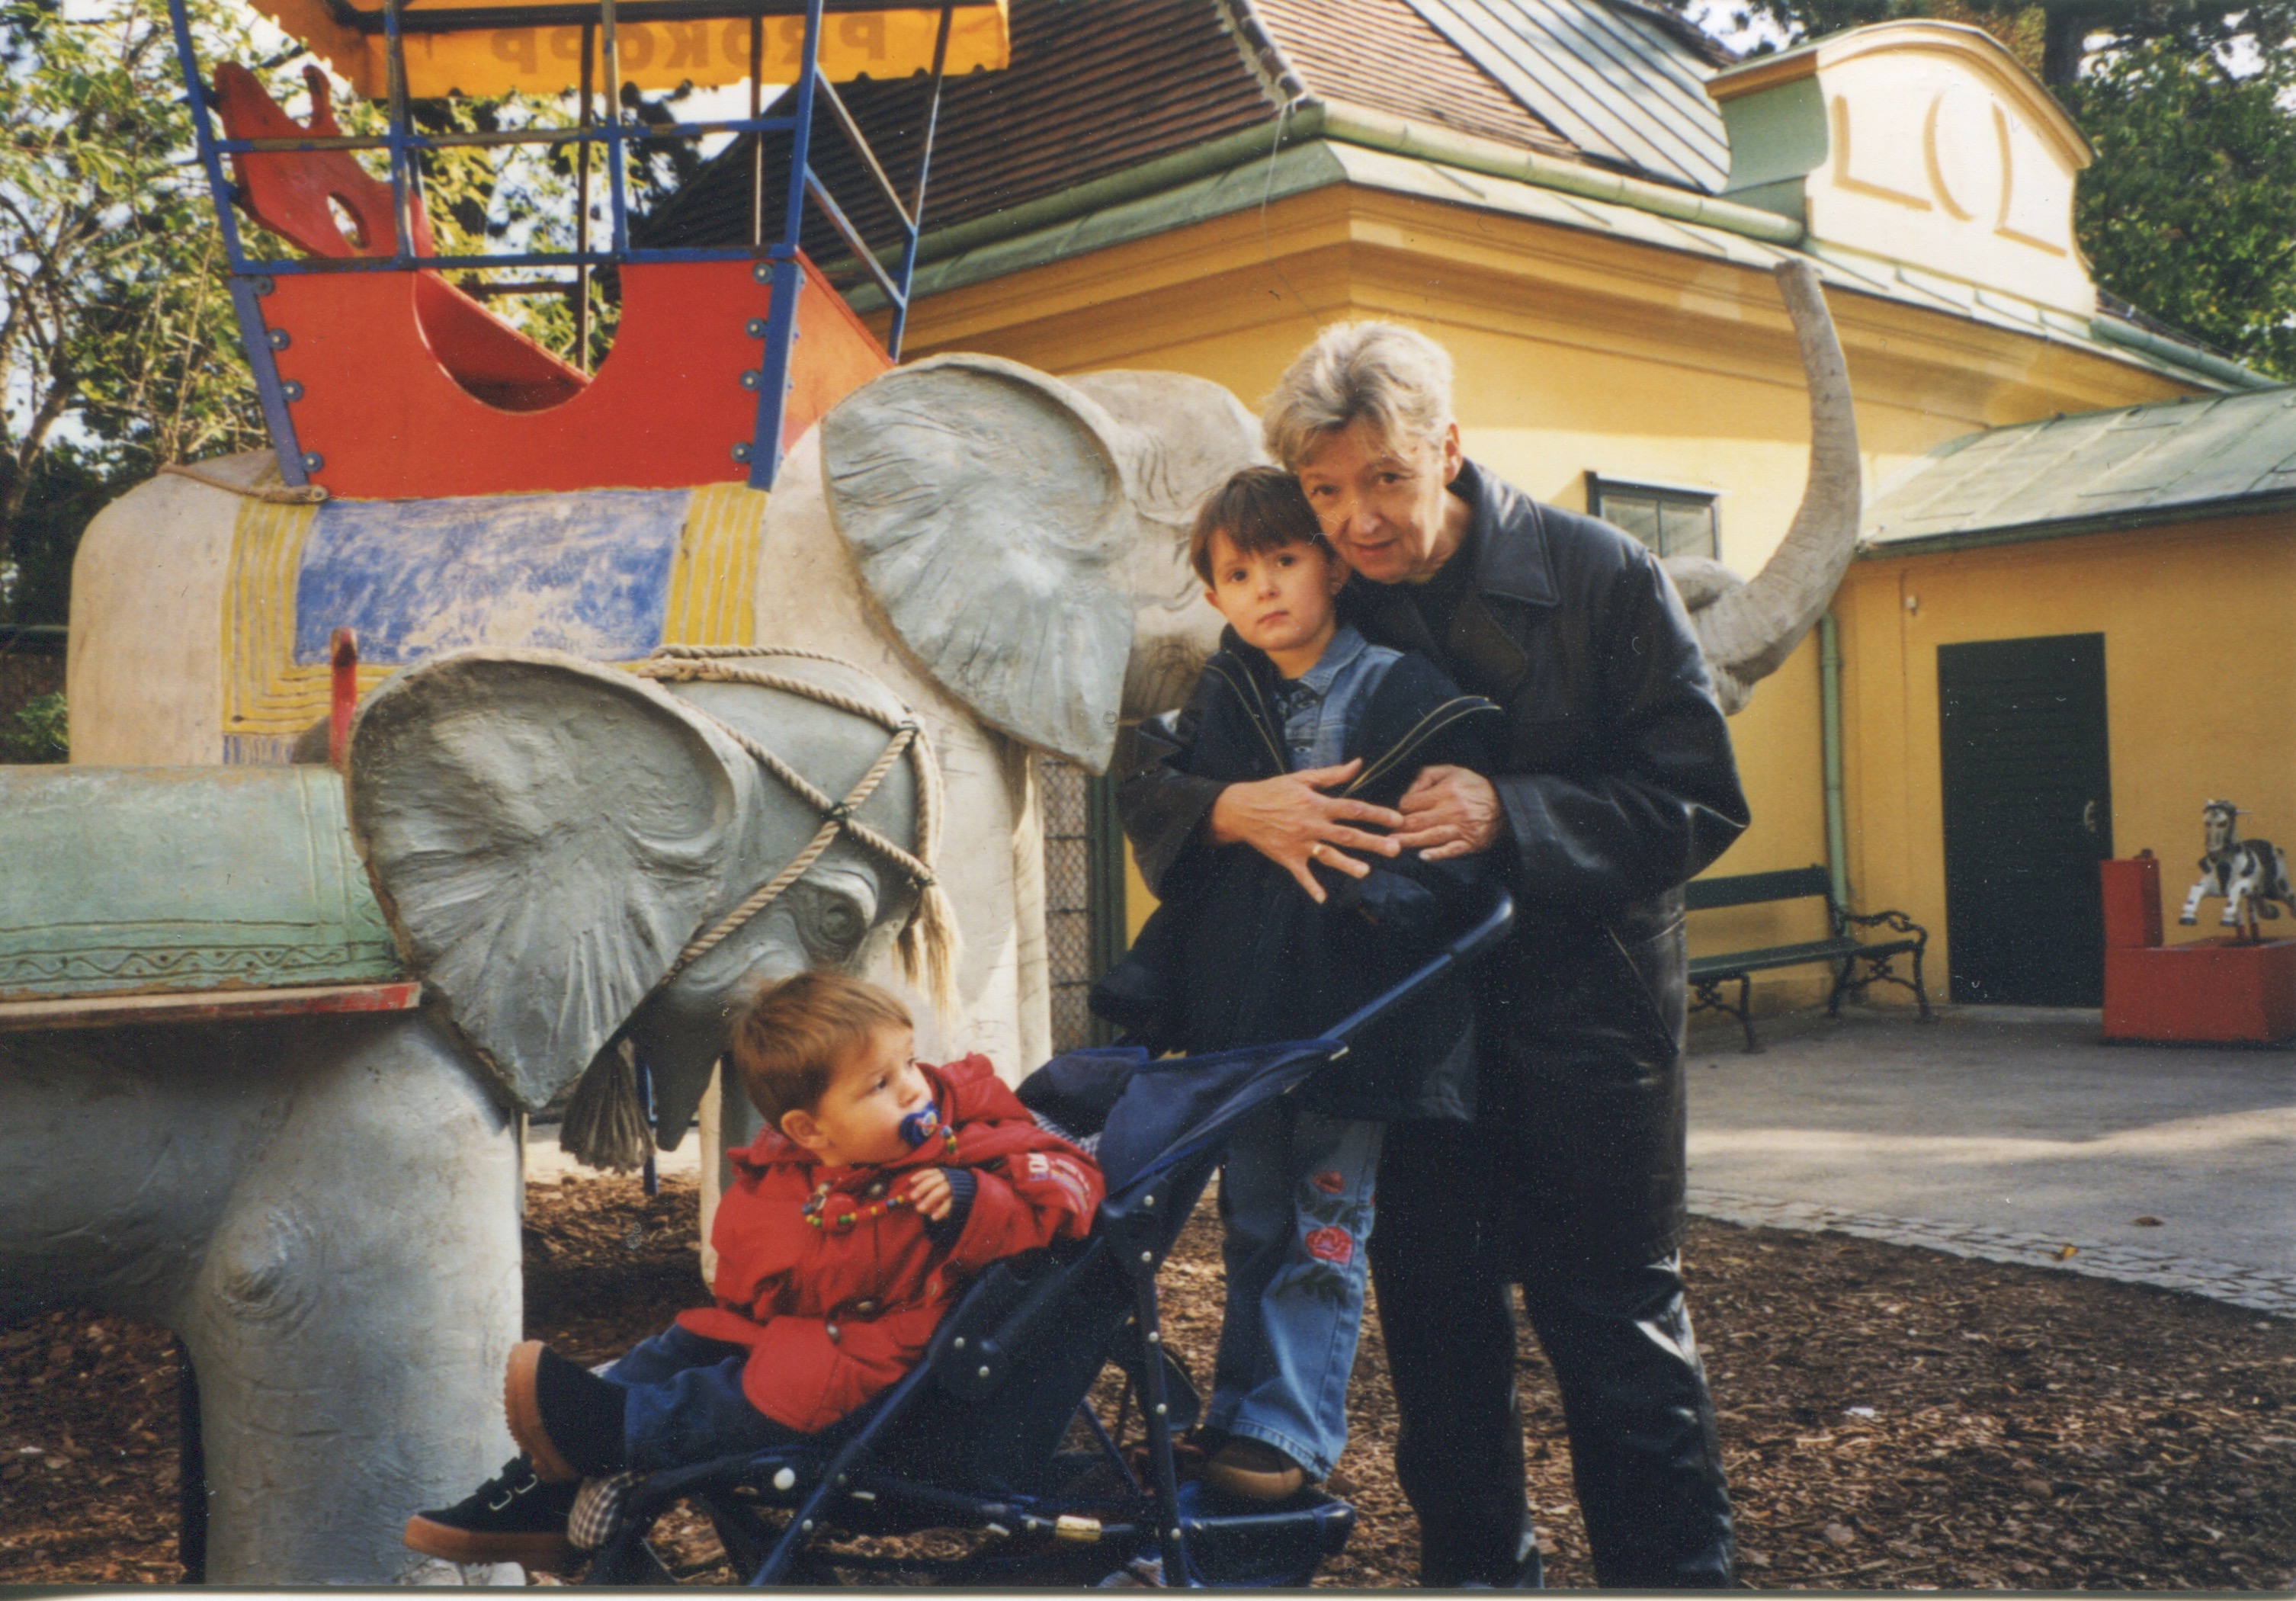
2009	1134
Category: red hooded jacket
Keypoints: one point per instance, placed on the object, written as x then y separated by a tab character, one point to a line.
832	1315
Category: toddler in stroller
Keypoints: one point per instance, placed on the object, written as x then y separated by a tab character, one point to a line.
879	1189
991	1434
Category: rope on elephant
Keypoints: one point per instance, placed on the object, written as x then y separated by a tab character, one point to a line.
275	494
928	941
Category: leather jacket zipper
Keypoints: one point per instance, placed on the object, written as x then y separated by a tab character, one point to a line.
1442	717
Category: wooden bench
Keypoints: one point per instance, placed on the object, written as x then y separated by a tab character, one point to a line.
1708	974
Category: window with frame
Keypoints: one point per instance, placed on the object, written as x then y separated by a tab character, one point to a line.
1673	521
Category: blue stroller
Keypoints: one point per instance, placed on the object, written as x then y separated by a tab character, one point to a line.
976	1438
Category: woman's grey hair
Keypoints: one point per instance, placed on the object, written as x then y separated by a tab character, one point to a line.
1399	379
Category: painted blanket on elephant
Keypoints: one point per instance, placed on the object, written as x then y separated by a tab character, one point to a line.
605	574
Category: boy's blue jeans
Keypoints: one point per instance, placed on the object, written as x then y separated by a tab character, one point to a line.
1296	1198
685	1403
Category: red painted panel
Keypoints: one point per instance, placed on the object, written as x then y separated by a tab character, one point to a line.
288	191
663	411
487	355
2132	901
2214	992
207	1006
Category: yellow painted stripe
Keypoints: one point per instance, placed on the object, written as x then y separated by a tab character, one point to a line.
712	594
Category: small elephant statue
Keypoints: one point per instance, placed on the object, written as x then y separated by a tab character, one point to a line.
2251	875
325	1209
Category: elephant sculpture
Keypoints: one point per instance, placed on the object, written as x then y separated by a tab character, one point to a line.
326	1209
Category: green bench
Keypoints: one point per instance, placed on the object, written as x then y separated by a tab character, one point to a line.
1708	974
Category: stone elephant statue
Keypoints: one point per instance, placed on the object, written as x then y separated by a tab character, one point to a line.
326	1209
1004	551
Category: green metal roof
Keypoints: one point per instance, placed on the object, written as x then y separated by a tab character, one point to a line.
1619	83
2170	461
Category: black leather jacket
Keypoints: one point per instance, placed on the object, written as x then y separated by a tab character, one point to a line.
1618	785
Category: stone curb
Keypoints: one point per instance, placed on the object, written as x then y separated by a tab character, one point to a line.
2255	1288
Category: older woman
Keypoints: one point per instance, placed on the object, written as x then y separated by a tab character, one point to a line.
1618	785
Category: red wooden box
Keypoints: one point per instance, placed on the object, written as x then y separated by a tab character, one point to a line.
2132	900
2214	992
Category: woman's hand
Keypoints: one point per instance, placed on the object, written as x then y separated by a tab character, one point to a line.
930	1193
1449	811
1291	822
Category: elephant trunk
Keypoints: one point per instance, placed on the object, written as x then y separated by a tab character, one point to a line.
1747	631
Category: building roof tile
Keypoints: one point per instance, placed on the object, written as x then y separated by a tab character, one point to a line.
1385	53
1094	89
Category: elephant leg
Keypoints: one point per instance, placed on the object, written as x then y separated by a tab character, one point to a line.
352	1314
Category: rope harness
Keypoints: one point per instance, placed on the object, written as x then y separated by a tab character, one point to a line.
605	1125
928	941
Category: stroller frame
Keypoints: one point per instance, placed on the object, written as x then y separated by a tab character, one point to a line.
1037	1331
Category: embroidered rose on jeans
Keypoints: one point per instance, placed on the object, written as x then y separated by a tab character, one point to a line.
1335	1245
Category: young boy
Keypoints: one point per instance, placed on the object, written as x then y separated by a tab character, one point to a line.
1238	955
880	1187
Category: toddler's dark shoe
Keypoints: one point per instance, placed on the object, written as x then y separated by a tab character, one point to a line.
1252	1470
512	1517
566	1418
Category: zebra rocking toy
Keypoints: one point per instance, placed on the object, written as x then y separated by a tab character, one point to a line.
2251	875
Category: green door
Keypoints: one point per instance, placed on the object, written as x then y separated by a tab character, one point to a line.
2027	816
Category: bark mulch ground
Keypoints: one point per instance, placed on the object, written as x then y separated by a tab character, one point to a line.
1891	1418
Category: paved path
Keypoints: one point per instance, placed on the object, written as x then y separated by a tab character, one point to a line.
2008	1136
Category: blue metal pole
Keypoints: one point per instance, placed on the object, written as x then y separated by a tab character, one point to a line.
394	49
924	169
802	141
203	134
781	270
617	177
255	339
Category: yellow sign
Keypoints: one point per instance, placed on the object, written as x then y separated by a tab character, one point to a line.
651	54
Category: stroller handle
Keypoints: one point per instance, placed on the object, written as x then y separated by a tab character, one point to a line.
1485	934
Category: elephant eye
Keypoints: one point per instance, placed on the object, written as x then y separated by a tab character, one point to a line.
832	924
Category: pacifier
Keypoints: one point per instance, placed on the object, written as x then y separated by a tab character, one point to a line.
920	1126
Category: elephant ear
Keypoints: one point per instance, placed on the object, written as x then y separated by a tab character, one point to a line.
545	836
990	513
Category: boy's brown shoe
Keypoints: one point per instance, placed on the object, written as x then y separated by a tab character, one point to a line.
566	1418
1252	1470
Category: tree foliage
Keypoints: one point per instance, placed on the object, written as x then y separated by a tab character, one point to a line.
2053	37
2190	210
37	731
115	317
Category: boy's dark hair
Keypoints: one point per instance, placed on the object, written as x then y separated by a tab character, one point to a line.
1260	508
789	1038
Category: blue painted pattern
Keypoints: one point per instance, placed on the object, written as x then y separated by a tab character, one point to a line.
587	573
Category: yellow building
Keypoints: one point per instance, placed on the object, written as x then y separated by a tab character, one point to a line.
1583	201
2061	640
